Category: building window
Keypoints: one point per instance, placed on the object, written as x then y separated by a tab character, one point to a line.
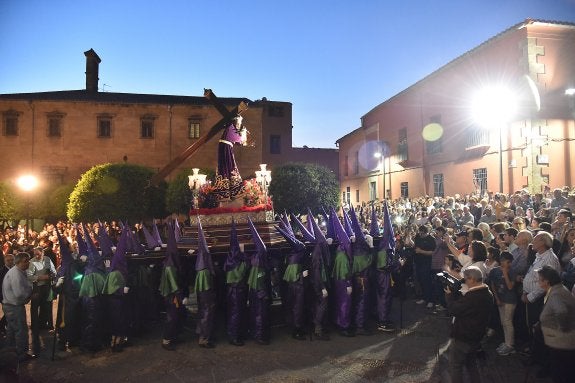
372	190
404	189
402	152
480	180
434	147
356	163
275	144
343	198
10	123
275	111
356	195
477	136
55	125
347	195
104	127
193	129
147	127
346	166
438	185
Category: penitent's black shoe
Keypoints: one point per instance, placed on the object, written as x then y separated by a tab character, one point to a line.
347	333
169	346
236	342
299	335
207	345
320	336
263	342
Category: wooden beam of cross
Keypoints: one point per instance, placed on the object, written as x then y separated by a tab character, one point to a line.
227	116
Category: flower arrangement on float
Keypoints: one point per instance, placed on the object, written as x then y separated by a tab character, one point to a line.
254	197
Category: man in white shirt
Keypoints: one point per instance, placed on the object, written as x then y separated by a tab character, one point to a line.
16	292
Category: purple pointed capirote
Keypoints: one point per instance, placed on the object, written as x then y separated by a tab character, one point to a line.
356	227
388	240
340	234
259	258
235	255
303	230
95	262
82	247
156	233
150	240
119	261
177	230
172	258
374	224
295	243
203	256
347	223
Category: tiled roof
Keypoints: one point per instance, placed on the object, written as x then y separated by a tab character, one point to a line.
128	98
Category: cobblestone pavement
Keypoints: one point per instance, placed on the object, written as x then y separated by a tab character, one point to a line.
413	354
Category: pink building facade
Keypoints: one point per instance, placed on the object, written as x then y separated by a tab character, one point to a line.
430	138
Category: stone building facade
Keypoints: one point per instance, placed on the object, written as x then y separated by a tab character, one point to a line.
59	135
428	139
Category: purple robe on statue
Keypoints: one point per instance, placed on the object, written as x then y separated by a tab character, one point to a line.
228	184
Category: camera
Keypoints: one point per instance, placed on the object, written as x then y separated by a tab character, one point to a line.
449	281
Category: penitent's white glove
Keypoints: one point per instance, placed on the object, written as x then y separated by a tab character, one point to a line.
83	258
126	290
186	301
60	282
305	273
324	293
107	263
348	289
329	241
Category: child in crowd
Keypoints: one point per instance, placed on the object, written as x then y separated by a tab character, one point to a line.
502	283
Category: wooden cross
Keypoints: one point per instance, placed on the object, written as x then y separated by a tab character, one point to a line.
227	116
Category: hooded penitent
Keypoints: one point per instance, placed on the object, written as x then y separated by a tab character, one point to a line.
361	250
284	223
177	231
169	283
258	288
156	233
118	275
93	281
236	292
347	224
133	243
387	243
384	265
235	266
342	274
65	255
204	266
82	247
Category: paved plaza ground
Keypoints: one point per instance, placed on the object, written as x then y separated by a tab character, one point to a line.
413	354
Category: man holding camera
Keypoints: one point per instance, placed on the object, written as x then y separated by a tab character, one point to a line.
470	318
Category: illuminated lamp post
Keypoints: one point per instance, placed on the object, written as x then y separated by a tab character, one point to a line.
27	183
493	108
264	177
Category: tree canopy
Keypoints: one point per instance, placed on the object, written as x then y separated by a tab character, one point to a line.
297	186
116	191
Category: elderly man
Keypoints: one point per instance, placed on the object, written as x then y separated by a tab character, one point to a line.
16	291
533	293
470	317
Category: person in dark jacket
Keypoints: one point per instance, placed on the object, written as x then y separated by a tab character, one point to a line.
470	318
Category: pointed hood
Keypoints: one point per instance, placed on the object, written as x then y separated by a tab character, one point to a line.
104	241
285	223
347	223
388	239
317	233
303	230
340	234
203	256
308	224
360	241
151	242
156	233
119	261
374	226
235	255
95	261
133	244
259	258
172	257
330	231
65	255
82	246
295	243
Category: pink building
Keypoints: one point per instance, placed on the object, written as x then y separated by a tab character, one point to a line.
434	139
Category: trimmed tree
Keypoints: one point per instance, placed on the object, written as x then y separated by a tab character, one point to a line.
116	191
297	186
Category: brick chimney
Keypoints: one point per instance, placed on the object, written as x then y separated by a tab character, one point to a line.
92	63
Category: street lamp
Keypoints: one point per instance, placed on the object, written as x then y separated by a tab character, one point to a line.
195	181
493	108
27	183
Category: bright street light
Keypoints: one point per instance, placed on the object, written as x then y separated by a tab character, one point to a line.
27	182
493	108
